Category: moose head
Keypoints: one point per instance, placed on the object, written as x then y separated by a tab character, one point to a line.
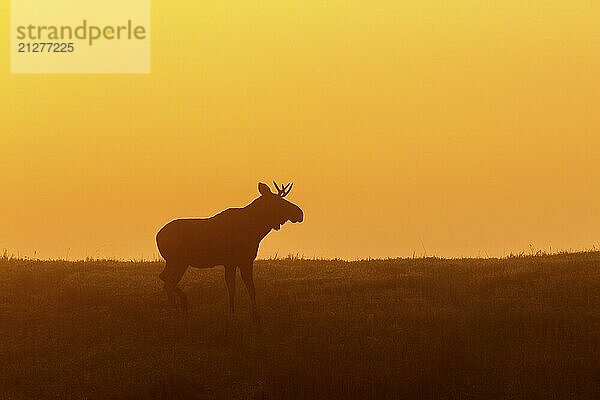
275	208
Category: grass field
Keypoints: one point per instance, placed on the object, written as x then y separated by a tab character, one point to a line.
515	328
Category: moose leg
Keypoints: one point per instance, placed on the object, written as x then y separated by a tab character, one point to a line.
249	282
230	281
171	282
167	272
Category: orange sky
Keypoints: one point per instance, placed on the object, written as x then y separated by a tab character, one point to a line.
464	129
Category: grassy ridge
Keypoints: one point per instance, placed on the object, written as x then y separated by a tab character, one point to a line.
521	328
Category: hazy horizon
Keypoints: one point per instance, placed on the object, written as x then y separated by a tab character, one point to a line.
155	257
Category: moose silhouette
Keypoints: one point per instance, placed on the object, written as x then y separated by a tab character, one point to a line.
230	238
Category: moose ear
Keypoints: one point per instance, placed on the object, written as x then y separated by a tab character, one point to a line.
264	189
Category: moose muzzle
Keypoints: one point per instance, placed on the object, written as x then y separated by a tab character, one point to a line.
298	216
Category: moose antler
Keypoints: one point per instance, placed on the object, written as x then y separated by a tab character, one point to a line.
285	189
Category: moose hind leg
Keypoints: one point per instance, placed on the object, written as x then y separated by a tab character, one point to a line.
164	275
166	272
171	281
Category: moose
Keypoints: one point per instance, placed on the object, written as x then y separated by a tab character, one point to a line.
230	238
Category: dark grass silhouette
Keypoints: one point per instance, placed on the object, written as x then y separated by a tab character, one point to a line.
517	328
230	238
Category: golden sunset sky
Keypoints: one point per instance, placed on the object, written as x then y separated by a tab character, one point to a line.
465	128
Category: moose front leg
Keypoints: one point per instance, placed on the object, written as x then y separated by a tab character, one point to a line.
247	272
